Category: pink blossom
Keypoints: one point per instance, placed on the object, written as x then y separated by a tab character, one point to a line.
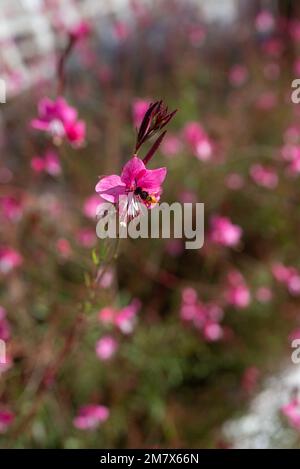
106	347
266	101
294	29
123	318
237	293
238	75
106	277
170	146
292	412
198	141
60	121
6	419
264	22
121	30
48	163
11	208
137	183
289	276
64	248
139	108
264	176
91	205
224	232
196	35
212	331
90	417
80	30
9	259
86	237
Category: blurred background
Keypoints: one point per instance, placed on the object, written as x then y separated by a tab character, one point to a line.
168	347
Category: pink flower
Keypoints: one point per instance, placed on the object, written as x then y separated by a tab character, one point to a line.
123	318
263	176
292	412
11	208
139	108
91	205
237	293
289	276
64	248
198	141
106	347
60	121
212	331
6	419
9	259
238	75
137	183
264	22
86	237
90	417
224	232
170	146
48	163
80	30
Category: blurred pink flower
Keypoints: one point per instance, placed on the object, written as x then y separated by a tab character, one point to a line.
11	208
212	331
171	146
294	29
48	163
91	205
139	184
121	30
264	176
80	30
292	412
139	108
106	277
198	141
86	237
9	259
224	232
237	293
238	75
264	22
90	417
6	419
123	318
289	276
106	347
64	248
266	101
59	120
196	35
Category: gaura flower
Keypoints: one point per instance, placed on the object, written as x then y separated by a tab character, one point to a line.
139	184
106	347
9	259
90	417
60	121
292	412
224	232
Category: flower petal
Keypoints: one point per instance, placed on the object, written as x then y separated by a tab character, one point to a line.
110	188
131	171
152	179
